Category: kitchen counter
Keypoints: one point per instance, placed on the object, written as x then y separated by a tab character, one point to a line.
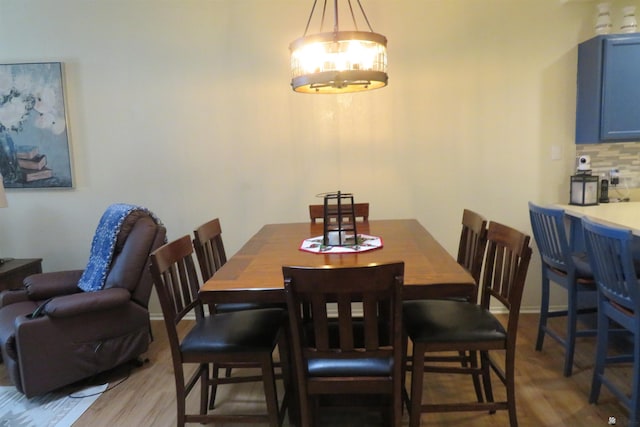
623	214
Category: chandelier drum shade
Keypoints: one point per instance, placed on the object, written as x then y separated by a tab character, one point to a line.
338	61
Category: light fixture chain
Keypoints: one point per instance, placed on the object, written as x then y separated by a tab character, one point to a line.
313	8
353	16
336	26
324	12
364	14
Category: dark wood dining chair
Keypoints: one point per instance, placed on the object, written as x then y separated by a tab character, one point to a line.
209	248
451	325
471	251
611	255
571	271
360	210
249	337
352	354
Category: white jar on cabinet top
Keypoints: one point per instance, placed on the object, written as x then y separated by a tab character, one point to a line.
629	22
603	20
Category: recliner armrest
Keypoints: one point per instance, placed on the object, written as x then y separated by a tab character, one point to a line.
13	296
85	302
47	285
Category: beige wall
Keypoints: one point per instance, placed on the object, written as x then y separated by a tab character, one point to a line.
184	106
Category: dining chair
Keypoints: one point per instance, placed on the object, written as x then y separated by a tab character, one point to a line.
339	351
211	255
610	253
209	248
568	269
360	210
452	325
249	337
471	250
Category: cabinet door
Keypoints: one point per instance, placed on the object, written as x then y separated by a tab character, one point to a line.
608	89
589	91
621	89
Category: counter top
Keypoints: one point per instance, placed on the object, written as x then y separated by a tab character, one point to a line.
623	214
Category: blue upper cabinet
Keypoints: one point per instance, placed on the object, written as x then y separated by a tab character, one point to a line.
608	98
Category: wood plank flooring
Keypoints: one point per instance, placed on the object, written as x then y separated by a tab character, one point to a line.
544	396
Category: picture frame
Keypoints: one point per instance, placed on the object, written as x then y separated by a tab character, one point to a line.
34	138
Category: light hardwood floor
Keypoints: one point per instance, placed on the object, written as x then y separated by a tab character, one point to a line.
544	396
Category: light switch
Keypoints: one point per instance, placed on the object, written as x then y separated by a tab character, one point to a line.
556	152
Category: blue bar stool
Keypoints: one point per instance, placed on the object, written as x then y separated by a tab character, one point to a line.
610	253
565	268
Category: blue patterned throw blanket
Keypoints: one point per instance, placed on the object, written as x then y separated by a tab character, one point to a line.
104	243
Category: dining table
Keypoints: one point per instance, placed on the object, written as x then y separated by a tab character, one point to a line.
254	273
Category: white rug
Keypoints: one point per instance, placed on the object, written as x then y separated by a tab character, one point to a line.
51	410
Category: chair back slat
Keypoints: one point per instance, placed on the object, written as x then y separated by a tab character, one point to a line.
345	322
372	326
209	248
473	242
611	258
174	289
550	235
318	305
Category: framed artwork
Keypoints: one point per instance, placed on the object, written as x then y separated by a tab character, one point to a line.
34	142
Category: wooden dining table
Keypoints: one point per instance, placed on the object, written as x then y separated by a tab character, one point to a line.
254	273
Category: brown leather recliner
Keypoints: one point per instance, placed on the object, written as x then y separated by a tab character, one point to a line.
78	334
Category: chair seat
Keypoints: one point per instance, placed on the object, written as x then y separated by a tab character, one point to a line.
583	268
235	332
450	321
581	262
370	367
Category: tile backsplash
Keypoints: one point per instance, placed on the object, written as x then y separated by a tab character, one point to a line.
625	156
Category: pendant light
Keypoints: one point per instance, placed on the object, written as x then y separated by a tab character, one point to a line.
338	61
